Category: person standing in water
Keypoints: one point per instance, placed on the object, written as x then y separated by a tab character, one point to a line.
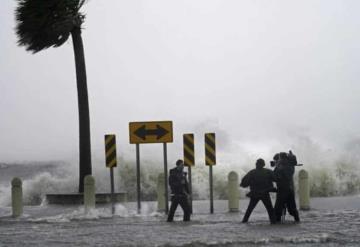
284	177
260	181
180	191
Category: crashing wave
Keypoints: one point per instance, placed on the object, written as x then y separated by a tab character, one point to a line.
329	175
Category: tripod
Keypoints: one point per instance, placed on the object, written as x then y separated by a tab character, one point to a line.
283	214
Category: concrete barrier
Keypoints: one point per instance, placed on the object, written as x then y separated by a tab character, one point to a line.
89	192
161	193
16	197
304	190
233	191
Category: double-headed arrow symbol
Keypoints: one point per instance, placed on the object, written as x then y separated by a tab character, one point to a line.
142	132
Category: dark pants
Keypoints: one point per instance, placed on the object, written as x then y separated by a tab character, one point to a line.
286	199
184	203
267	203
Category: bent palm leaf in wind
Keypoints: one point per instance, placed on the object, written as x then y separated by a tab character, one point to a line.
49	23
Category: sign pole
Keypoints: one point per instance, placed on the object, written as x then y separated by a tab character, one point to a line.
112	190
138	178
111	162
210	160
189	160
211	190
190	187
166	179
150	132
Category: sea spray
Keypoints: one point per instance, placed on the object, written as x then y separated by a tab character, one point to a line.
5	195
339	179
331	180
331	172
150	171
35	189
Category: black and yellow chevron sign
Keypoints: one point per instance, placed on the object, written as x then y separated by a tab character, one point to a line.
110	150
189	154
210	149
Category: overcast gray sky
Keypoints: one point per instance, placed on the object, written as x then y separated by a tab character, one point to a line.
259	73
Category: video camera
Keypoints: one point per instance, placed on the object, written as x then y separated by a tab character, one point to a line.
289	157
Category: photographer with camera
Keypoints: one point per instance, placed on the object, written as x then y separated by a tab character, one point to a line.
180	191
283	173
260	181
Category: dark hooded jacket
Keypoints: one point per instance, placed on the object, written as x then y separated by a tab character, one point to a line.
260	181
178	182
284	173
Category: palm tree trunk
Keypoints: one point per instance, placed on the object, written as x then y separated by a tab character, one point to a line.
83	104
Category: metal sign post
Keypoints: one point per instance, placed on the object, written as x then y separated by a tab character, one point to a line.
190	187
189	159
138	189
210	160
112	190
211	190
151	132
165	183
111	162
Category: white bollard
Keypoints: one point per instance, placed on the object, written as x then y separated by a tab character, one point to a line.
304	190
89	192
233	191
16	197
161	193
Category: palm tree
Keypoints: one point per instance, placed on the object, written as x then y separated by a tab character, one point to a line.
43	24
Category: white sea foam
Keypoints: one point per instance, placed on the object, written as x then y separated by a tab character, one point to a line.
78	214
316	238
94	214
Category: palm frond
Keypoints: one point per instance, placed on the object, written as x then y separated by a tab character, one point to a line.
45	23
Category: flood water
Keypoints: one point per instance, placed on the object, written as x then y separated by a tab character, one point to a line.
331	222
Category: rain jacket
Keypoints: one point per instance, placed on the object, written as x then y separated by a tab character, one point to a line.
284	173
260	181
178	182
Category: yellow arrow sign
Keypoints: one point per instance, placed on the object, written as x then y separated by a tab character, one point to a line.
151	132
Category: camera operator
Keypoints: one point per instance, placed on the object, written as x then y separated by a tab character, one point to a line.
283	173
